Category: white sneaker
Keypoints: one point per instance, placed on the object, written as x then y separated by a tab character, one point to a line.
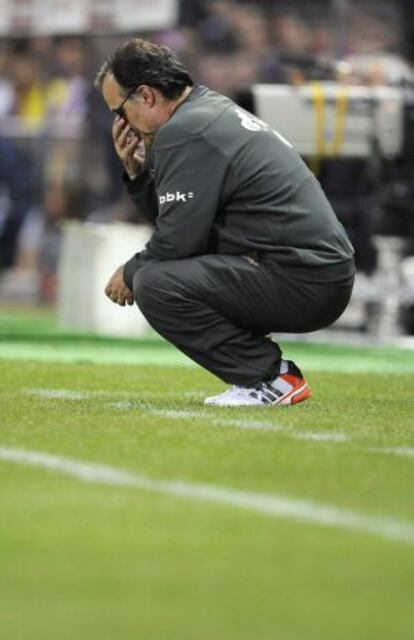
287	388
234	397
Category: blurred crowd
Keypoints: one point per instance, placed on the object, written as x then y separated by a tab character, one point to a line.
56	156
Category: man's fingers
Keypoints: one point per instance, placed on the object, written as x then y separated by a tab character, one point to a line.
110	294
132	143
116	134
120	134
122	138
117	291
120	299
118	125
126	142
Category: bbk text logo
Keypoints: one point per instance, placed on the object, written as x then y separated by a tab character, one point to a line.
176	196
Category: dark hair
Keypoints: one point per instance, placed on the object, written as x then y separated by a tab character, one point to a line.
139	61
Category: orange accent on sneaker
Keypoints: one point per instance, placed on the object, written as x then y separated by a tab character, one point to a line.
299	393
293	380
303	395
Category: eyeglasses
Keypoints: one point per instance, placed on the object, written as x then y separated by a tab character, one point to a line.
120	111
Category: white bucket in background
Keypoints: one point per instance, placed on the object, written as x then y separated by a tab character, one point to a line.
90	254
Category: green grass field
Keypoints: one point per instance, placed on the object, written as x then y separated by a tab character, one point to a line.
204	524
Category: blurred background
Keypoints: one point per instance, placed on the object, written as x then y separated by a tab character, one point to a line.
58	166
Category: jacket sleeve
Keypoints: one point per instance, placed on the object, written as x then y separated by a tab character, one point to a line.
142	192
189	177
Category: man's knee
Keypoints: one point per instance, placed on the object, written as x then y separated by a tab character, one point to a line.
145	282
155	282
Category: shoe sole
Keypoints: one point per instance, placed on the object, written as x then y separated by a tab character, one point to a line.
298	394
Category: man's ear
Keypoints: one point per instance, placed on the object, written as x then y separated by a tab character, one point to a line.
147	96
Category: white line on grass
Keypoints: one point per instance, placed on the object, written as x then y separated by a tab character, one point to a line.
402	452
255	425
313	436
58	394
271	505
69	394
217	421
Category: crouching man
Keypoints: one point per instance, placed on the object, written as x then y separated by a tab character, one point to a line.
245	241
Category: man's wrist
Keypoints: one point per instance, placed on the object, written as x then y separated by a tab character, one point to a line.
132	175
134	185
130	269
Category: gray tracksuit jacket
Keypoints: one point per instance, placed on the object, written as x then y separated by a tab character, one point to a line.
219	180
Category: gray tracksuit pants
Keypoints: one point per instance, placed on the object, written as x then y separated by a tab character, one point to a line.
218	309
